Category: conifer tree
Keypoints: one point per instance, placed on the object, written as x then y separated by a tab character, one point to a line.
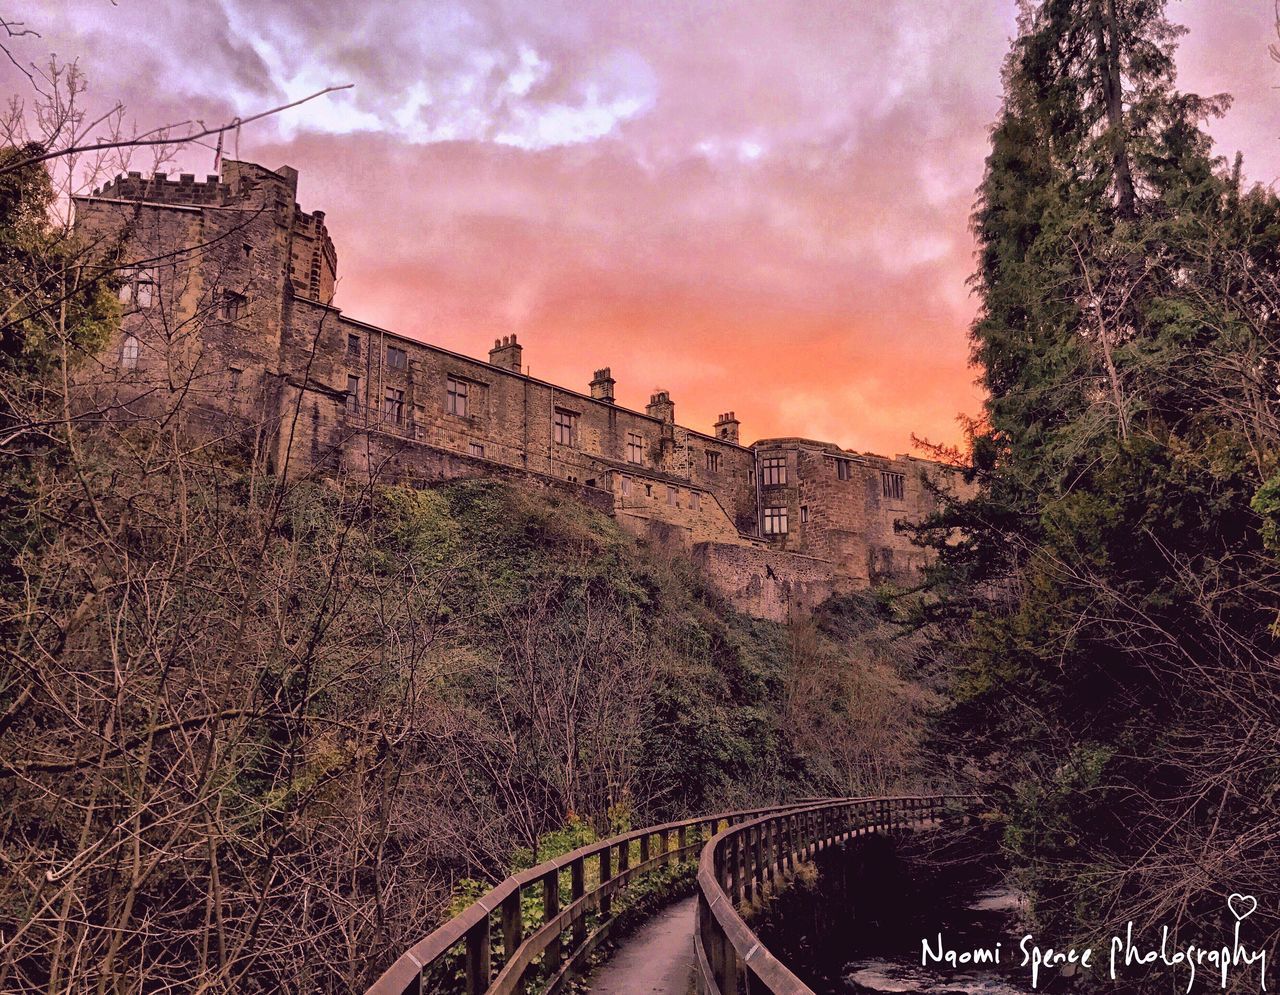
1110	578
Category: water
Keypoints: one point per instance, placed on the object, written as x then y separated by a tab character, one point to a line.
988	916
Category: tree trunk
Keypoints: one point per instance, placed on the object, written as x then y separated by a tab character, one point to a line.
1106	29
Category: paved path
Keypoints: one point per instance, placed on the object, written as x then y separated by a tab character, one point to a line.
656	958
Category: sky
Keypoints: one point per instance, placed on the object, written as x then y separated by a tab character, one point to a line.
757	205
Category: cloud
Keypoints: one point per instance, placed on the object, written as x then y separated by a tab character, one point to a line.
760	205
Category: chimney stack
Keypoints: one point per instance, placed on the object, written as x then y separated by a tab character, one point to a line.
727	428
660	406
507	353
602	386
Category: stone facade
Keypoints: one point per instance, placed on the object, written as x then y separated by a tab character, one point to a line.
227	292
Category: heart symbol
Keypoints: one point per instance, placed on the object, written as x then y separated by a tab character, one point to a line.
1244	900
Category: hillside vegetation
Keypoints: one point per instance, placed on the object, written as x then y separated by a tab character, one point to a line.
253	735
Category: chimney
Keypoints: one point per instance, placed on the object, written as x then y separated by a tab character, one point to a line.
602	386
661	407
507	353
727	428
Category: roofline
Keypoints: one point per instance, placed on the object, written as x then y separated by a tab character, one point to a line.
514	373
836	452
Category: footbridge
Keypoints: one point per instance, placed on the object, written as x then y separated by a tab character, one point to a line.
537	930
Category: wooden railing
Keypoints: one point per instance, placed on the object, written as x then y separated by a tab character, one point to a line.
742	859
559	946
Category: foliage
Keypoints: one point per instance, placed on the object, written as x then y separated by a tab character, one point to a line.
50	313
376	701
1112	586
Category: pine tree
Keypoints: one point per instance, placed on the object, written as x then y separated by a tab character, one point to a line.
1111	579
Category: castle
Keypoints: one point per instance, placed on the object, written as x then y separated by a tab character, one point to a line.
230	300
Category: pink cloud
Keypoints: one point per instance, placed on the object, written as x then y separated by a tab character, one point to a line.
760	206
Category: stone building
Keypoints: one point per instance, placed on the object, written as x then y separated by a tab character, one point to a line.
228	301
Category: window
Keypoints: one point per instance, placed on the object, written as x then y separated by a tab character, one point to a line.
353	346
635	447
775	521
695	500
713	461
626	487
475	449
804	514
397	359
146	292
129	353
565	427
393	410
775	471
455	397
232	306
844	468
235	377
353	393
893	485
139	288
671	495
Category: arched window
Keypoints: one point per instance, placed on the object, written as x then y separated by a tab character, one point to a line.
129	352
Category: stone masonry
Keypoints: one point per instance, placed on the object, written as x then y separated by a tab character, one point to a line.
231	300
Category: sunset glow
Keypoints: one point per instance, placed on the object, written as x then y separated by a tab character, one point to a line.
758	206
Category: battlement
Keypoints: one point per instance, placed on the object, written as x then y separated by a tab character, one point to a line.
159	189
313	260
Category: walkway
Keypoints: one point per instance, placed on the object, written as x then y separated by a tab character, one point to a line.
657	959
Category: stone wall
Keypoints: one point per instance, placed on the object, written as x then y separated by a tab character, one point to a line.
237	335
843	506
765	582
404	387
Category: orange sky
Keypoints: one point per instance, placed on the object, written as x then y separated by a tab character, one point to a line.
759	206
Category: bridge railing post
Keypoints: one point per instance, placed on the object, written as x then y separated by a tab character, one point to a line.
551	909
606	872
478	965
644	848
757	858
577	888
728	967
735	866
512	926
624	862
